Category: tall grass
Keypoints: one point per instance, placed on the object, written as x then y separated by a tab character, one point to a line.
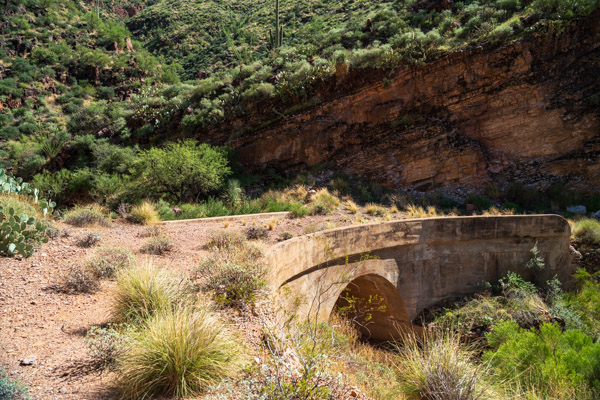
178	352
588	231
438	367
143	290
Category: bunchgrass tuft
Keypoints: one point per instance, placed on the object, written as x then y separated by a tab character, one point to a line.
178	352
375	210
144	290
144	213
438	367
415	211
588	231
323	202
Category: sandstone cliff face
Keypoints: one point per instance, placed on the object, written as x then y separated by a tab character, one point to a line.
524	112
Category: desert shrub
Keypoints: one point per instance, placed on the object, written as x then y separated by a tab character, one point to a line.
106	345
233	284
588	231
549	359
143	290
178	353
585	302
108	260
222	240
9	133
256	232
89	240
144	214
157	245
375	210
76	280
323	203
479	201
285	235
85	216
593	203
11	389
525	196
438	367
183	171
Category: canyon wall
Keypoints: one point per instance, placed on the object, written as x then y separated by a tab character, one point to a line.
528	111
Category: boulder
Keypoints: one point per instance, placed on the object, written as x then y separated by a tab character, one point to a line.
580	209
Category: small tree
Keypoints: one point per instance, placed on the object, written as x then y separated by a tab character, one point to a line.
182	171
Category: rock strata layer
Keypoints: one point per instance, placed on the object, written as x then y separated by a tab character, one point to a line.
528	112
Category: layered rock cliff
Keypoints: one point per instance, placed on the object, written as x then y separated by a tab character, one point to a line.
527	112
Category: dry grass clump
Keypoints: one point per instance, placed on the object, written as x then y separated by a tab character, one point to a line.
297	193
415	211
76	280
323	202
144	213
350	206
221	239
145	289
588	231
108	260
376	210
157	245
86	216
438	367
178	352
89	240
498	211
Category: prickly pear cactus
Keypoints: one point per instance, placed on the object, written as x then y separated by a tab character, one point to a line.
10	184
20	234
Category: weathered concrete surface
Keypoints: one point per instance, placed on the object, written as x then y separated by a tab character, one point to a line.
413	264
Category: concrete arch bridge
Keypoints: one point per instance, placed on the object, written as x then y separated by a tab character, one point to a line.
409	265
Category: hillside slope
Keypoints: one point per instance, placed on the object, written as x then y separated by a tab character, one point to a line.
528	112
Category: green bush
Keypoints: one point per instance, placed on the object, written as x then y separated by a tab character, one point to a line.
549	360
182	171
525	196
178	353
10	389
9	133
479	201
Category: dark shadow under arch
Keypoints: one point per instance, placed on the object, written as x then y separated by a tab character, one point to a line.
375	307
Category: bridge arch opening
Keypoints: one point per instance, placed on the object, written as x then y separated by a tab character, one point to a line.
374	306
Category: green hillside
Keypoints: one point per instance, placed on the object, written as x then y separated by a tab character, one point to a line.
78	96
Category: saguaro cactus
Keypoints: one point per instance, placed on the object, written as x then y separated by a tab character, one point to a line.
277	38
